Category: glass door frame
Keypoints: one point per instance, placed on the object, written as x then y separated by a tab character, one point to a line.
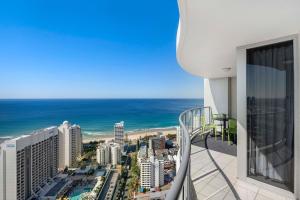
242	136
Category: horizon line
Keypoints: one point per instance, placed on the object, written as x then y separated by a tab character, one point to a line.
97	98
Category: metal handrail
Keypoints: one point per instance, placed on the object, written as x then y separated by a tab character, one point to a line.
181	186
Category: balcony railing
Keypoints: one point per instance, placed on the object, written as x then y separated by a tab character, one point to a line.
192	122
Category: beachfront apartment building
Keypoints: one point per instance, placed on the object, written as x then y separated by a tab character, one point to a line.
157	142
158	173
27	163
115	154
119	133
70	142
151	173
108	153
146	174
103	154
248	54
142	153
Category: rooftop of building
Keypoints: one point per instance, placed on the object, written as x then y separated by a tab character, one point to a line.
56	188
2	139
36	132
68	124
108	144
142	152
119	124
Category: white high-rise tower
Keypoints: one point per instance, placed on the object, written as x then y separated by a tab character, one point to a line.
103	154
115	154
27	163
70	142
119	133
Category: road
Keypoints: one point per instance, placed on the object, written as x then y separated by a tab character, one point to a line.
106	186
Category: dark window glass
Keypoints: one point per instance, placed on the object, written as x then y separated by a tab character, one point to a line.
270	114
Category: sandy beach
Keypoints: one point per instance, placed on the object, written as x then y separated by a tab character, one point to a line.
132	135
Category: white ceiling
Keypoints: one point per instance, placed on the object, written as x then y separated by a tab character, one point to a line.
211	30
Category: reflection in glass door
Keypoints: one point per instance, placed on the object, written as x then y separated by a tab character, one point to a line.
270	114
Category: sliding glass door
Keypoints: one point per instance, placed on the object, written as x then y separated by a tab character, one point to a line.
270	114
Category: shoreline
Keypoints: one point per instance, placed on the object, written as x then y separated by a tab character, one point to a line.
132	135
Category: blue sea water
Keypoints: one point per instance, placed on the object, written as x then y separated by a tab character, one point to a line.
95	116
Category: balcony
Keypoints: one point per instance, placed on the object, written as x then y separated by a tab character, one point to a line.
208	165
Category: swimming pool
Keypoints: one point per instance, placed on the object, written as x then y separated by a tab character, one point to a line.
78	191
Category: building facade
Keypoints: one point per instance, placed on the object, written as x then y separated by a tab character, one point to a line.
151	173
158	142
70	141
146	174
27	163
115	154
119	133
158	173
250	66
108	153
142	153
103	154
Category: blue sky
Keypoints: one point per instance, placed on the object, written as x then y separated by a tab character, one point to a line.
92	49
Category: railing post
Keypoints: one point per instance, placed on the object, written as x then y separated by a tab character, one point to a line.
192	116
188	177
200	118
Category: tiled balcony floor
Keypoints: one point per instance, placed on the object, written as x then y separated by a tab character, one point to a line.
209	183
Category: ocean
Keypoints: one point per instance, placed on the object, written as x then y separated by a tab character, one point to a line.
95	116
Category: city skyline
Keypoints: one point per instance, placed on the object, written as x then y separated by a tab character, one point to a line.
97	50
